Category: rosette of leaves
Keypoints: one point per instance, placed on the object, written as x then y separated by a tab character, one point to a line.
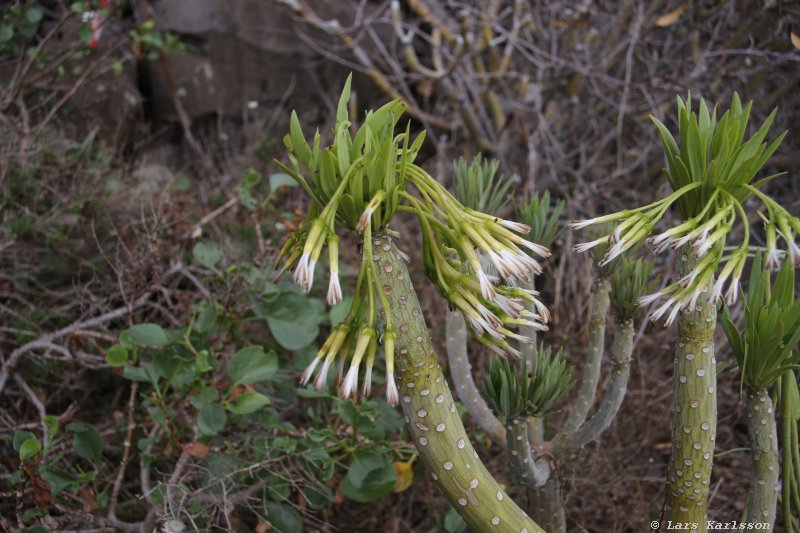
524	391
766	350
630	280
478	186
542	216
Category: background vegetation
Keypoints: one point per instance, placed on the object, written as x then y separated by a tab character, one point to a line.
150	362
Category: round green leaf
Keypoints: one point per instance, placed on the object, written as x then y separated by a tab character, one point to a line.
248	402
29	449
117	355
86	441
453	523
206	255
6	33
211	419
284	518
147	335
20	437
293	319
252	364
33	14
371	476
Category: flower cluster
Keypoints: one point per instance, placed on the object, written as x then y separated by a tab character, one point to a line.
358	183
477	262
711	173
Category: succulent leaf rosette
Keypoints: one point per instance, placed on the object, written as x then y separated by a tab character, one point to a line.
712	171
358	183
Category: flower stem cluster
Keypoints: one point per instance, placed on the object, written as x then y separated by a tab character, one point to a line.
357	184
711	173
477	262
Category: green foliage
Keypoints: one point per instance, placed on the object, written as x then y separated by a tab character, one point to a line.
519	391
453	523
370	476
478	186
357	165
765	347
86	440
19	23
630	280
713	153
543	219
154	44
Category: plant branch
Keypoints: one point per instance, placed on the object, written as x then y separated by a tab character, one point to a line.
461	373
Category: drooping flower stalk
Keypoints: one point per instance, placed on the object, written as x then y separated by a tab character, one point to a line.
357	184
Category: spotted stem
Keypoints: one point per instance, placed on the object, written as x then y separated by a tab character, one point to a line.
430	412
694	417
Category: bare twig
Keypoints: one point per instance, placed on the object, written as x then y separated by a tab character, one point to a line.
46	341
126	453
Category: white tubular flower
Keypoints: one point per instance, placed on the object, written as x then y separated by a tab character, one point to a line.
689	278
538	249
544	312
334	290
580	224
366	216
733	291
487	290
490	317
658	313
655	240
392	394
477	324
774	259
662	247
672	315
305	377
530	263
647	299
322	377
515	226
716	290
677	243
794	253
500	264
301	271
508	305
309	276
613	252
350	384
585	246
367	388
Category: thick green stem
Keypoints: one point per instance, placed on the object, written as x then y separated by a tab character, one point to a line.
532	472
430	412
614	394
594	355
762	498
548	509
694	417
461	372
